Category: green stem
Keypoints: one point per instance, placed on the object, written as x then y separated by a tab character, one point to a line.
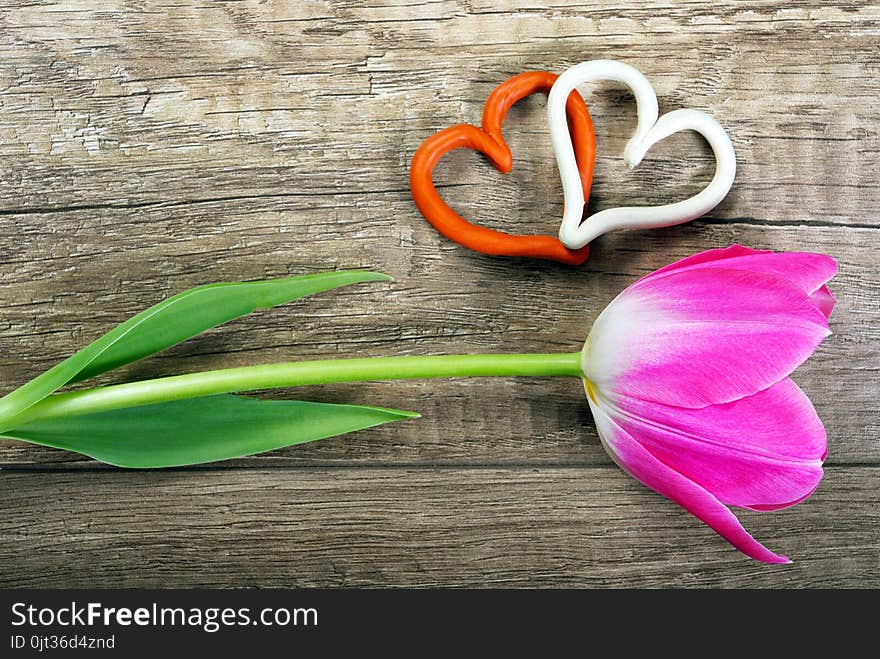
294	374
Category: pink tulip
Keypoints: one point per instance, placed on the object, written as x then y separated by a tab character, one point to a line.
686	373
687	378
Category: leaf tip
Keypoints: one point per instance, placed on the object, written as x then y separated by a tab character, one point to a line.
400	414
369	275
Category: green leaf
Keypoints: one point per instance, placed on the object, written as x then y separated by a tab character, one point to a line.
199	430
174	320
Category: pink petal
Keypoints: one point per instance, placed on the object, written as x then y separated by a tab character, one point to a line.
644	467
806	270
824	301
762	452
702	336
771	508
709	256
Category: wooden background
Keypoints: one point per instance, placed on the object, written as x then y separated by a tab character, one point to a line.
147	147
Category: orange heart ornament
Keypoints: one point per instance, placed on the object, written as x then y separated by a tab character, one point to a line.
489	141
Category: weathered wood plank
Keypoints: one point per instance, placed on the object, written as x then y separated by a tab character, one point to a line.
112	108
461	302
413	527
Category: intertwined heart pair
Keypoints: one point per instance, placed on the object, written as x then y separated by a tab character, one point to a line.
575	150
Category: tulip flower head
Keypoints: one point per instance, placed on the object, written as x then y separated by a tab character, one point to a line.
686	374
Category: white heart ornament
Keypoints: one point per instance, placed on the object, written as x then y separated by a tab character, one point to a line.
649	130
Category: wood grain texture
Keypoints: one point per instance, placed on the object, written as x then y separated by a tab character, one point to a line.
149	147
526	526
